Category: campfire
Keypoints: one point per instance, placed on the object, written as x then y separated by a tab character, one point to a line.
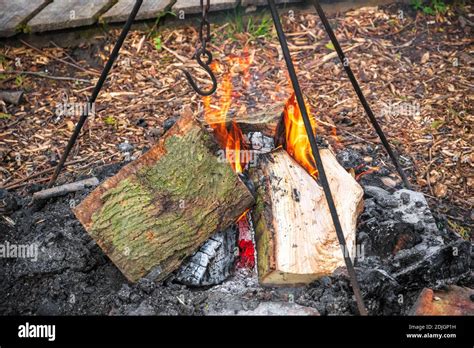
234	188
237	168
224	179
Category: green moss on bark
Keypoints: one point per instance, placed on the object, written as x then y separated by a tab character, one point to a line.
162	213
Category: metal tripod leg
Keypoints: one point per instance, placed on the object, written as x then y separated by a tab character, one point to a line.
95	92
315	151
355	85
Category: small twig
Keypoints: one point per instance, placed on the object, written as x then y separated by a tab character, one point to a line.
428	178
65	189
344	131
180	58
385	36
18	120
4	82
44	75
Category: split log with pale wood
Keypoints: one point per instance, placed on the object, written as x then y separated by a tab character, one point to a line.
295	238
157	211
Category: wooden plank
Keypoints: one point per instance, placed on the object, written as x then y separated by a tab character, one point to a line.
193	6
14	13
63	14
149	9
159	209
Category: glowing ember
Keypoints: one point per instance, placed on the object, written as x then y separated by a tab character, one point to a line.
246	246
366	172
297	142
247	254
216	115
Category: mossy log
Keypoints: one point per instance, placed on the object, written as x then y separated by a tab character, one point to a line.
160	208
294	233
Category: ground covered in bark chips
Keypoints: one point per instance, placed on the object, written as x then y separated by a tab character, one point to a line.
415	70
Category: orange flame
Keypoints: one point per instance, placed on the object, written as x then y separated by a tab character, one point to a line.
296	140
243	215
231	140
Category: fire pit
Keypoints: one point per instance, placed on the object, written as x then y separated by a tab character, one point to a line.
228	214
399	251
275	228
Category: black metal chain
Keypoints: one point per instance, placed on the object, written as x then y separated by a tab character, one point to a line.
205	27
202	51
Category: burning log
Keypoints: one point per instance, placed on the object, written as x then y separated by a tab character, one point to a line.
265	122
159	209
295	236
246	243
213	262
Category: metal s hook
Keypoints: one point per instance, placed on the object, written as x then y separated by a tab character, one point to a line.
204	38
206	66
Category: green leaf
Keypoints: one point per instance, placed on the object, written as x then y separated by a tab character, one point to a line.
416	4
4	116
330	46
158	43
431	7
439	6
110	121
263	29
436	124
19	81
462	231
428	10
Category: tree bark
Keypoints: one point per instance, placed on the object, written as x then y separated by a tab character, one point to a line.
295	237
159	209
